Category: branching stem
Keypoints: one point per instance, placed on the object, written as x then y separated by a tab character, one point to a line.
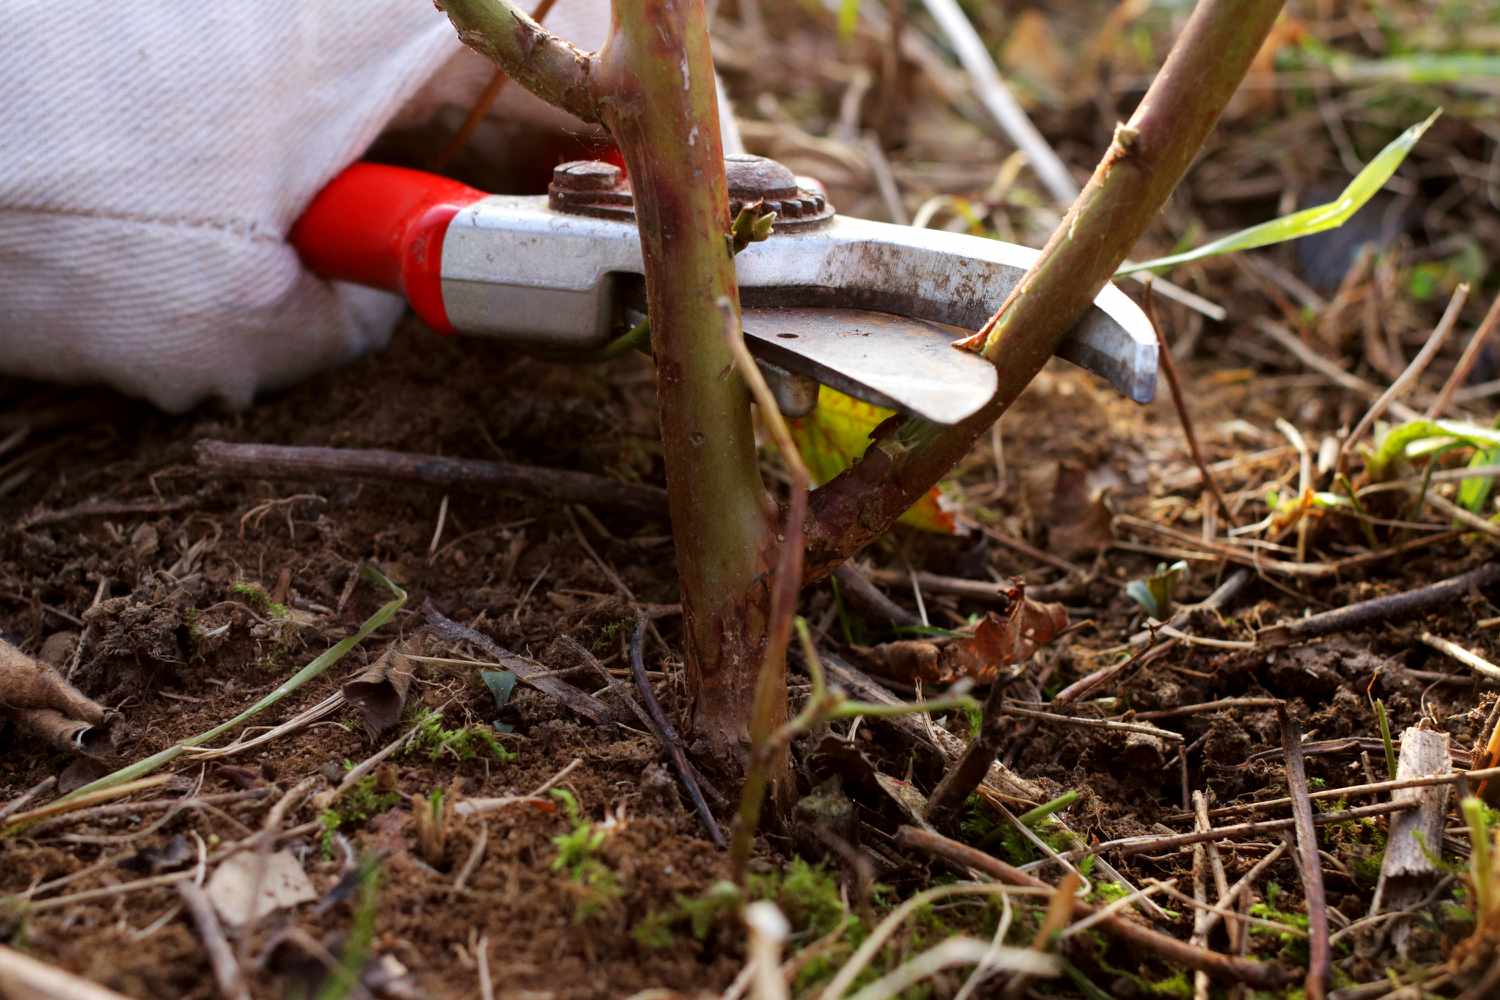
1143	165
548	65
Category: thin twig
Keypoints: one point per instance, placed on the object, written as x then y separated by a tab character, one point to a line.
1262	975
1127	846
1455	513
1465	656
268	461
1466	361
1220	912
61	806
970	769
1216	863
476	854
988	591
666	733
1371	788
23	976
1380	609
1290	342
486	986
1418	365
1248	880
527	670
1304	481
19	802
265	841
1108	724
858	588
106	508
220	956
1207	706
1307	852
473	807
1217	601
1169	368
546	64
482	105
997	99
767	765
105	892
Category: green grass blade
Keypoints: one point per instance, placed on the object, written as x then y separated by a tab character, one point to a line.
848	19
1411	438
328	658
1428	68
1308	221
1383	722
1474	493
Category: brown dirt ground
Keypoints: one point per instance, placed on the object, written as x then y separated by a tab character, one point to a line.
514	569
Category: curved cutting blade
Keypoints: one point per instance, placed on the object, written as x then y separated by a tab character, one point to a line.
893	361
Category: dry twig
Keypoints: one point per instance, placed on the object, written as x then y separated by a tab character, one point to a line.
269	461
1261	975
666	733
23	976
220	956
1380	609
1169	368
1311	865
1418	365
1466	361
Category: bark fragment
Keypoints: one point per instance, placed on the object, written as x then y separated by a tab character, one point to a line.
1411	865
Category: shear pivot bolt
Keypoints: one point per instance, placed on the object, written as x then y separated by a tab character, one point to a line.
756	178
585	175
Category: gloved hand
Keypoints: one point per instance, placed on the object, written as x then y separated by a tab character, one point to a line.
155	156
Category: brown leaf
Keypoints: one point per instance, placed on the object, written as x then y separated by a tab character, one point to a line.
1078	521
28	683
63	733
978	652
379	693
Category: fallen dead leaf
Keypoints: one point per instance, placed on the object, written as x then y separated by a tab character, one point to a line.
233	886
977	653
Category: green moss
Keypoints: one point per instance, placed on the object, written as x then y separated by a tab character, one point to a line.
596	886
609	636
255	595
1178	986
1107	892
434	739
361	801
654	932
718	904
977	825
1293	947
807	894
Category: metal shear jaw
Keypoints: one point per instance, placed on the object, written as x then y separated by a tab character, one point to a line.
865	307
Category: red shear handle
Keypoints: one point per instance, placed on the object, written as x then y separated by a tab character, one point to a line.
384	227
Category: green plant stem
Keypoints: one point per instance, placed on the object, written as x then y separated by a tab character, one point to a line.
1143	165
652	86
1384	723
766	748
661	107
1480	868
548	65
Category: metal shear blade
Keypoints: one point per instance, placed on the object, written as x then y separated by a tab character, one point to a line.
866	307
892	361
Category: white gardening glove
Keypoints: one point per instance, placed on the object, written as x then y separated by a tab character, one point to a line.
154	155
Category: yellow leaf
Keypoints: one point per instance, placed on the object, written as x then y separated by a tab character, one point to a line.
837	432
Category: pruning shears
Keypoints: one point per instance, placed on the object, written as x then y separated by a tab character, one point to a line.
867	308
